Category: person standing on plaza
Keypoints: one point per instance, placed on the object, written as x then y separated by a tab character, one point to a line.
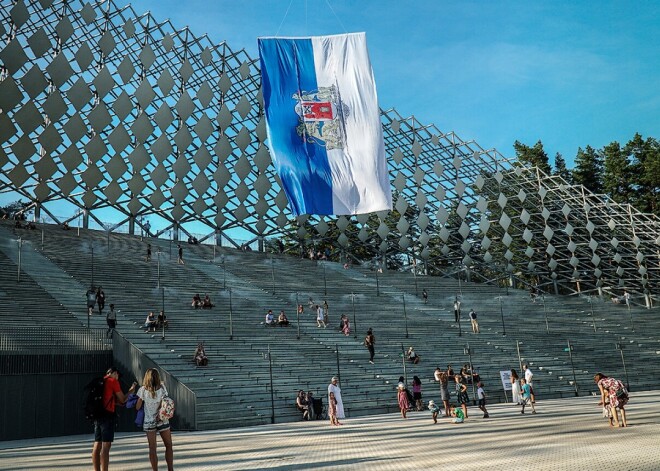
104	427
417	392
335	390
402	399
370	342
461	394
481	396
515	387
332	409
457	308
111	319
179	260
473	321
529	377
434	411
151	396
442	378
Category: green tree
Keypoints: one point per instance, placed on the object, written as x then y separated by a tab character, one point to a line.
588	169
534	155
561	170
645	163
617	173
17	207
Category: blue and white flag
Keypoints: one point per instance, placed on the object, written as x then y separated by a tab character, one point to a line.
323	124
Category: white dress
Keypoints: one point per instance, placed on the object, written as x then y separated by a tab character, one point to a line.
516	396
340	404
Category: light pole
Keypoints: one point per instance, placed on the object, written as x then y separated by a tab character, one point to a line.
545	313
325	282
593	317
231	314
632	324
354	321
158	256
569	349
457	306
519	359
403	360
163	309
92	264
468	351
377	283
502	315
272	393
224	273
405	313
272	272
42	240
460	286
108	242
414	270
20	249
619	347
297	316
338	371
79	217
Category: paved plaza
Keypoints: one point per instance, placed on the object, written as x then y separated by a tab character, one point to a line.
564	435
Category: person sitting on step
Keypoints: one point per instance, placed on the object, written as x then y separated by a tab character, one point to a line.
270	320
151	323
207	304
282	320
412	356
200	357
196	301
162	320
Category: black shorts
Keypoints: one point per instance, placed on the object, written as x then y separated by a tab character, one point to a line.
482	403
112	323
417	396
104	430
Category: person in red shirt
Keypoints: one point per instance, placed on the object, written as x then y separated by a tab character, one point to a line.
104	428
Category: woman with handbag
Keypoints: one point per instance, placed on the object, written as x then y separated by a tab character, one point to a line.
614	390
152	396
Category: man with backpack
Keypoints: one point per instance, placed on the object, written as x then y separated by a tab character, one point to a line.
100	406
473	321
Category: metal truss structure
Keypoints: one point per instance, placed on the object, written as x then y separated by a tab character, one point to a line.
108	109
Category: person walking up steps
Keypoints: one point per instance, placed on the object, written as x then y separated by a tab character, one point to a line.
457	309
179	260
320	317
370	342
473	321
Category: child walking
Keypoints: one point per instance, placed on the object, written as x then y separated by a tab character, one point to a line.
526	396
333	410
434	411
481	395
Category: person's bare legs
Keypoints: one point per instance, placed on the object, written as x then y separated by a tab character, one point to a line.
615	416
166	436
96	456
464	406
153	454
623	417
446	404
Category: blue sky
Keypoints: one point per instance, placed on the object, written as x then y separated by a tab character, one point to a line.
568	73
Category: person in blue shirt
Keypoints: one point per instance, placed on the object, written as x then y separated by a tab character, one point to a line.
526	393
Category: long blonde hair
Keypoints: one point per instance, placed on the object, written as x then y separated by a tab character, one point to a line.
151	381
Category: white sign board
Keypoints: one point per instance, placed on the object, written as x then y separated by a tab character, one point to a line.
506	380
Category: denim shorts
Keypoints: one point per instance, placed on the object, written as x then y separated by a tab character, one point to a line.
159	427
104	430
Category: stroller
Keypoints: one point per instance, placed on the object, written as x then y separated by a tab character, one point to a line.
320	412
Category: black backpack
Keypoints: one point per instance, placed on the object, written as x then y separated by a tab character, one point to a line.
93	400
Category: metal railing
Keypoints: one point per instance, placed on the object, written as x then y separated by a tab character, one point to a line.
40	340
134	362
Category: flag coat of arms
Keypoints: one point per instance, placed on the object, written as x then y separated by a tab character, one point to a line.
323	124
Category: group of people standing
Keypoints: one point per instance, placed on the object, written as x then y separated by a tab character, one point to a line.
147	401
522	390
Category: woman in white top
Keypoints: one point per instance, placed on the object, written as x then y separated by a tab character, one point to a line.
150	397
515	387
